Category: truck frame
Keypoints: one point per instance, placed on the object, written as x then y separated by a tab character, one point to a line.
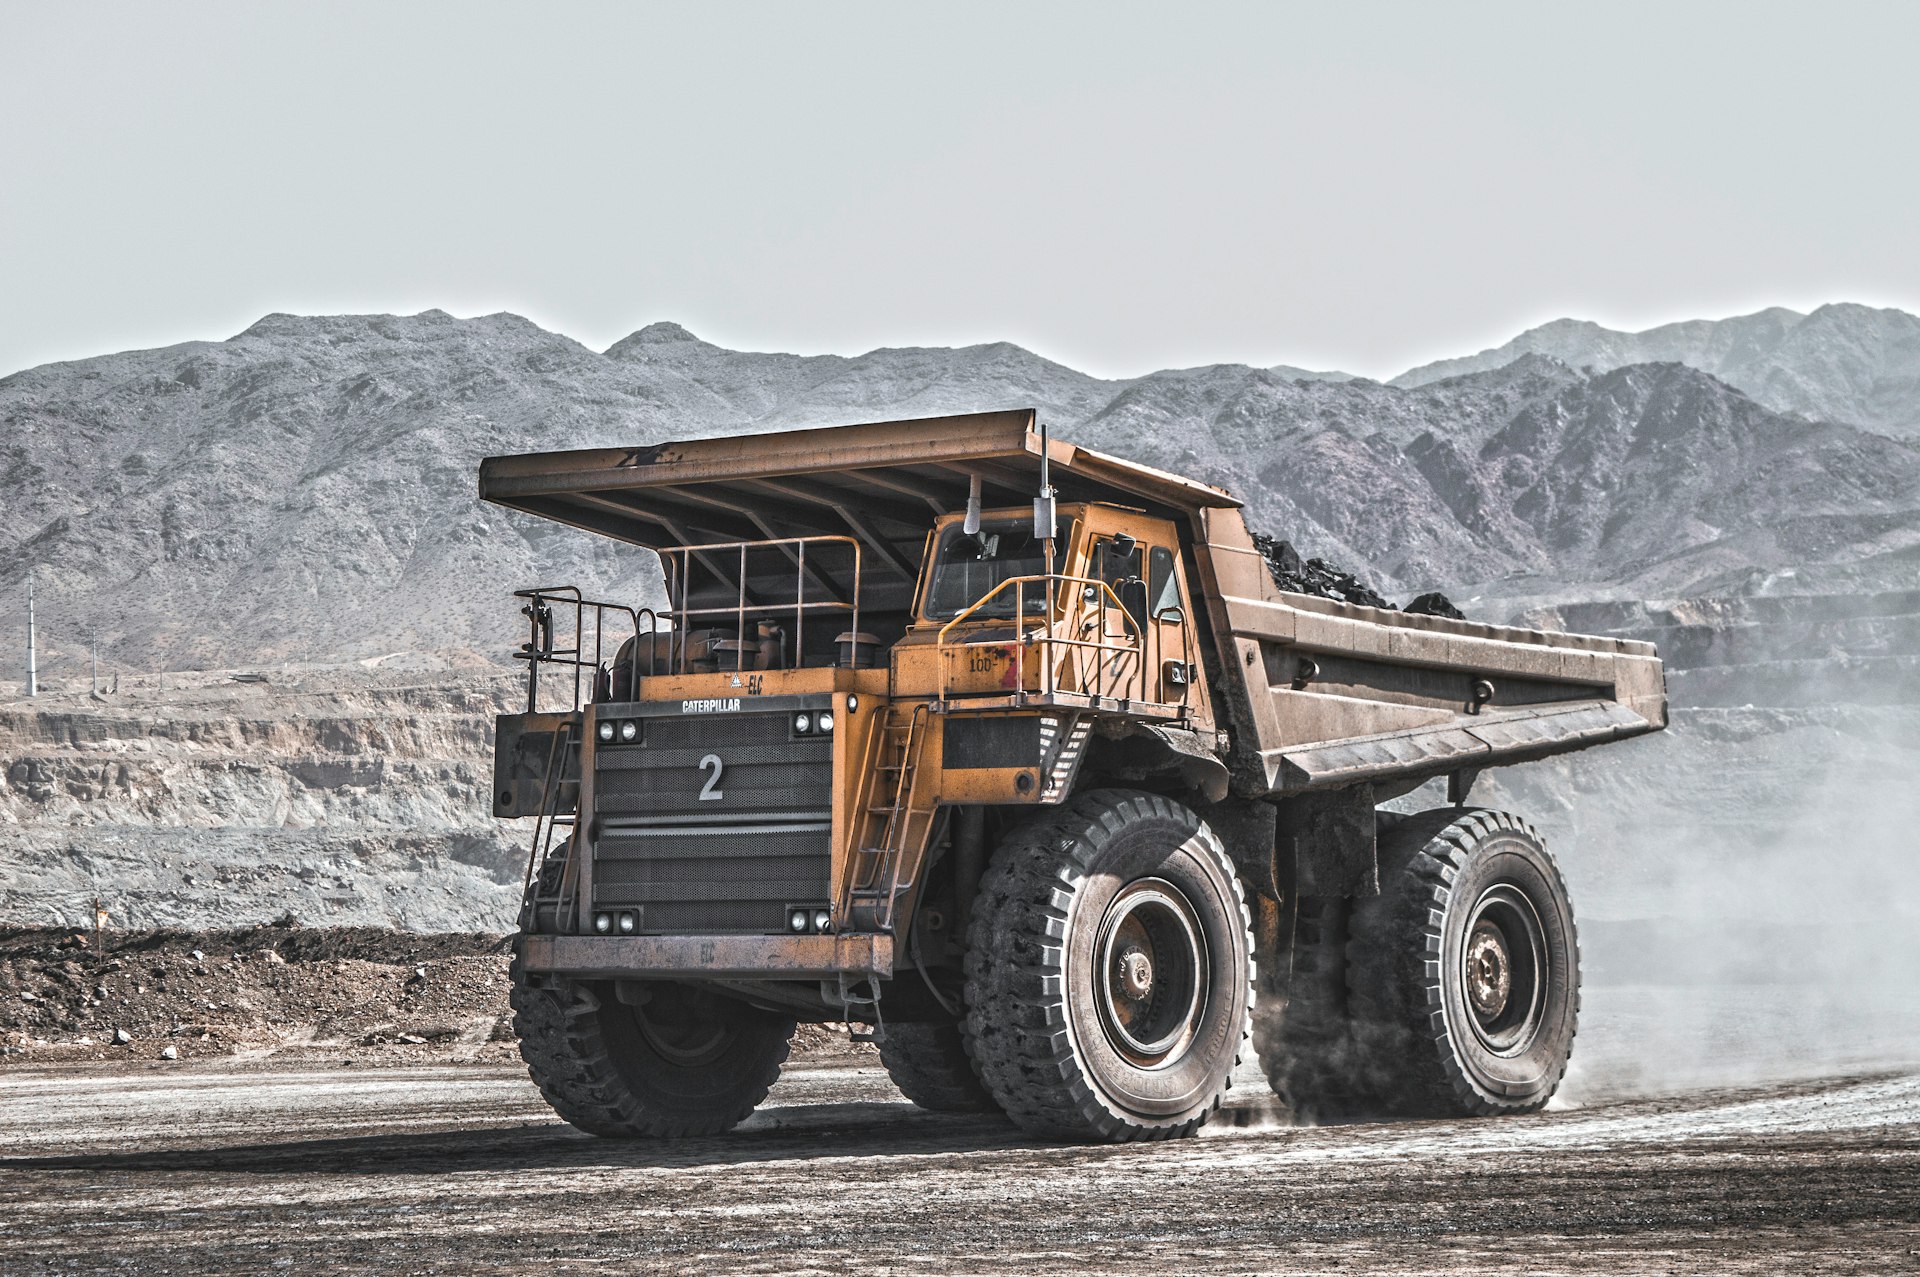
1013	755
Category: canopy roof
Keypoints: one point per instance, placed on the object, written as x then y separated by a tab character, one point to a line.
882	482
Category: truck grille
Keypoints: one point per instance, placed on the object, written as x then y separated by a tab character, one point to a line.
727	863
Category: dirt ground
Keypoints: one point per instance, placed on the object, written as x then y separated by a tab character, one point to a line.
322	1128
458	1168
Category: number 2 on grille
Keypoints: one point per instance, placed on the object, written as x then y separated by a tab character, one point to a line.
710	792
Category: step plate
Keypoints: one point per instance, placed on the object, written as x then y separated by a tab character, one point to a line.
734	957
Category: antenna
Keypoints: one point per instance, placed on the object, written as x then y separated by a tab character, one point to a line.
1043	520
33	656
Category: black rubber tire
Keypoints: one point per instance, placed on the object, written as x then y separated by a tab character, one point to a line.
930	1065
1034	1025
593	1058
1306	1046
1423	1049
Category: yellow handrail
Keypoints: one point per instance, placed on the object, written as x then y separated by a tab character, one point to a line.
678	561
1019	583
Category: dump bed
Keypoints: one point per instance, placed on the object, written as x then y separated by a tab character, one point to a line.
1333	693
1318	694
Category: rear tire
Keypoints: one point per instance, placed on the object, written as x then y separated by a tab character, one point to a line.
1307	1049
1109	971
929	1063
1463	976
684	1063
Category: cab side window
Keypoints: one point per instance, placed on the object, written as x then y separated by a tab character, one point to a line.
1115	565
1163	587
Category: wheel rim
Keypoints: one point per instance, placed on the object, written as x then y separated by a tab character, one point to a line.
679	1033
1153	964
1504	969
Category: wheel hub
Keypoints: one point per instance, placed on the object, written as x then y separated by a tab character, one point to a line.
1152	973
1489	971
683	1031
1504	969
1133	973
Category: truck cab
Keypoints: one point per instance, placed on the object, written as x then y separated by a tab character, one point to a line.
1113	629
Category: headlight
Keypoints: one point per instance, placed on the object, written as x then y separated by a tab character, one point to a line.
803	723
605	730
826	722
629	731
822	920
853	702
603	923
626	924
797	920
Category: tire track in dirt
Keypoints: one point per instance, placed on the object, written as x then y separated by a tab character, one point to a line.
460	1168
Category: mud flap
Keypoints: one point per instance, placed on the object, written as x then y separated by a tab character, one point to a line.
1330	839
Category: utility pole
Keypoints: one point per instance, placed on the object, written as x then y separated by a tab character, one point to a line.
93	641
33	656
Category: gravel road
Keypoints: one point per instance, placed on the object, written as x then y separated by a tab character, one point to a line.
275	1167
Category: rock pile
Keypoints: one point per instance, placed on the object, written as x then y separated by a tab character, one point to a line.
356	995
170	994
1323	580
1434	603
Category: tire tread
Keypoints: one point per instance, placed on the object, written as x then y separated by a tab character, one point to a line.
557	1021
1016	1029
930	1065
1393	975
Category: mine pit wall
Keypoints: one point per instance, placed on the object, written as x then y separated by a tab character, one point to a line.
232	805
226	805
1810	650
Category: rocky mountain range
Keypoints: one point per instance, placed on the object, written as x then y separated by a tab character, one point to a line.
1846	362
305	490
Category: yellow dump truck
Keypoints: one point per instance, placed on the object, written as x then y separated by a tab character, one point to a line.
1013	754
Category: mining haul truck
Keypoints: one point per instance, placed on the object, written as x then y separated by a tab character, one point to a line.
1013	757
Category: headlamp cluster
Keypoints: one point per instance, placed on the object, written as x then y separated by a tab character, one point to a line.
624	731
803	920
810	723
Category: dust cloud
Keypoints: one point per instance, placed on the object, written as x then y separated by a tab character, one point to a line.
1748	891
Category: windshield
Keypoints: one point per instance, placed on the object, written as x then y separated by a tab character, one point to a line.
967	567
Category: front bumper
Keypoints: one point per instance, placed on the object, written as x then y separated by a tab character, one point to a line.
716	957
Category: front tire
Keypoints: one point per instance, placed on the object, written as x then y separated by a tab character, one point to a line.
683	1062
1464	973
1109	971
929	1063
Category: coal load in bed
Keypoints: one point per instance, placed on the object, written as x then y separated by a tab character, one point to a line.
1322	580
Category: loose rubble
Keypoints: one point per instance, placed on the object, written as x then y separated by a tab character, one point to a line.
1322	580
216	993
1434	603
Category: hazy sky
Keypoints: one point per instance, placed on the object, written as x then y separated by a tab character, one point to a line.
1120	188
